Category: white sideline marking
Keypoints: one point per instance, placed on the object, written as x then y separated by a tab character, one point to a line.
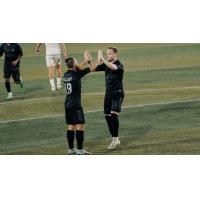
102	93
100	110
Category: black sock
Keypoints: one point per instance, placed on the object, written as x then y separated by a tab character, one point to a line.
79	139
109	122
115	125
70	138
8	87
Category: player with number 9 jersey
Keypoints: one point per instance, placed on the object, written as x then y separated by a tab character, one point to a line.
72	81
74	114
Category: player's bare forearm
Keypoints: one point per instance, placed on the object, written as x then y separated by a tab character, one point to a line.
15	62
93	67
18	59
83	65
86	61
109	64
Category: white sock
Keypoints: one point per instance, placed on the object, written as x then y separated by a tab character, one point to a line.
52	83
115	138
59	81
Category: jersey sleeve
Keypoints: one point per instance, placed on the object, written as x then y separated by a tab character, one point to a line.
83	72
101	67
20	50
1	50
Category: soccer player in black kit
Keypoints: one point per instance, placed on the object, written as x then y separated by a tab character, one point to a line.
13	53
114	96
73	110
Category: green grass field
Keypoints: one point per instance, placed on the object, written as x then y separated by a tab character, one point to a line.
161	108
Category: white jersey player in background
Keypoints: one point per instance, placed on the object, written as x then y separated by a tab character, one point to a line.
53	62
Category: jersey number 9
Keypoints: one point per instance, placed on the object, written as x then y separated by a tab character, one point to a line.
68	87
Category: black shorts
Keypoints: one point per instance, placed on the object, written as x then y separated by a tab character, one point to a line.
74	116
113	102
15	74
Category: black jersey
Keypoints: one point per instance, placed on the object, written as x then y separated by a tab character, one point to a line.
72	80
11	52
113	78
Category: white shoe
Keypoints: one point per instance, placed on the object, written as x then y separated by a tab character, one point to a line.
114	144
71	151
10	96
59	87
82	152
53	89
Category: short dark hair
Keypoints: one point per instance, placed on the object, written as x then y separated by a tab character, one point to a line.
69	62
115	50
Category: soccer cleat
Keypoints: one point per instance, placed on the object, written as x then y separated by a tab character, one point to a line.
71	151
59	87
114	144
10	96
82	152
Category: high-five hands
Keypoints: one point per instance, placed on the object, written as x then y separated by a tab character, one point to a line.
100	56
87	57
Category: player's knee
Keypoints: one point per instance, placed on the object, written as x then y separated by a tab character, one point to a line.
71	127
81	127
58	67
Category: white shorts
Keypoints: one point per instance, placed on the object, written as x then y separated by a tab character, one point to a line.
53	60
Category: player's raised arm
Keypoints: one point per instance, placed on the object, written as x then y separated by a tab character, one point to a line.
107	63
86	61
98	66
37	50
63	49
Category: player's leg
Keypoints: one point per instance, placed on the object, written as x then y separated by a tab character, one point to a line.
70	139
80	129
7	76
59	76
111	117
59	72
17	78
114	121
80	132
107	113
115	110
71	130
51	68
51	78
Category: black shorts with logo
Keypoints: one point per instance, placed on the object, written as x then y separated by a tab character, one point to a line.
113	101
14	73
74	116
